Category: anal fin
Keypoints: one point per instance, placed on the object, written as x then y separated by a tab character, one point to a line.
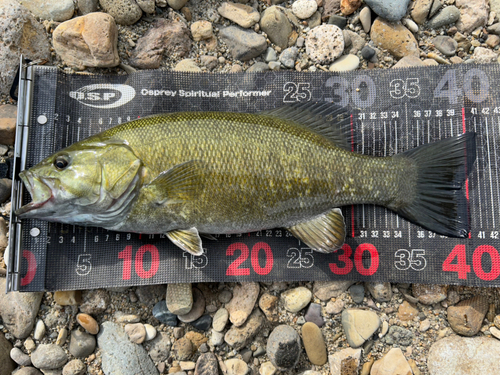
187	239
324	233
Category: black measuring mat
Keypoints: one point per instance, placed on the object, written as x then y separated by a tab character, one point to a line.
395	111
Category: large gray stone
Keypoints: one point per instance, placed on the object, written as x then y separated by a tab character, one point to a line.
60	10
391	10
49	357
18	310
21	35
243	44
119	355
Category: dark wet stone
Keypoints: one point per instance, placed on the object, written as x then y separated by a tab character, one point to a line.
206	365
203	323
367	52
337	20
357	293
161	313
313	314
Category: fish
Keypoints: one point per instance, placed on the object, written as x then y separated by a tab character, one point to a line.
189	174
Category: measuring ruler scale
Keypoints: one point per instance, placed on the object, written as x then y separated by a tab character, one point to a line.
395	110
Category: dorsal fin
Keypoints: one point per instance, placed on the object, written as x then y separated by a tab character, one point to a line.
327	119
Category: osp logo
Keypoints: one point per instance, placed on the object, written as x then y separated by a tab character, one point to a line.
104	95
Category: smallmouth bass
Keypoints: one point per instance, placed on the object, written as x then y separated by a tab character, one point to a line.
186	173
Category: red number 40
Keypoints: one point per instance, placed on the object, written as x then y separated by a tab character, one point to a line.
461	267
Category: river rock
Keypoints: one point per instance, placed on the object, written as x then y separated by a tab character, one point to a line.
325	290
88	323
473	14
161	313
448	15
276	25
421	10
182	349
365	17
288	56
313	315
445	44
304	8
239	337
19	310
236	366
119	355
94	302
357	291
197	310
201	30
345	361
48	357
324	44
243	44
268	303
21	34
243	302
81	344
359	325
206	364
7	364
348	7
89	40
159	347
136	332
283	347
171	37
394	363
395	38
68	297
8	118
296	299
467	316
391	10
187	65
407	312
382	292
399	336
429	294
484	55
330	7
241	14
17	355
455	355
125	12
74	367
176	4
58	11
221	318
39	330
314	343
87	6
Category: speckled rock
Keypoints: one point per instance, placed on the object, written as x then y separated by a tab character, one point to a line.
467	316
407	312
182	349
429	294
74	367
119	355
220	320
304	8
238	337
171	37
206	364
448	15
125	12
395	38
325	290
88	41
48	357
455	355
391	10
241	14
201	30
18	310
345	362
296	299
159	347
382	292
393	363
243	301
473	14
283	347
399	336
484	55
61	10
330	7
314	344
94	302
21	34
325	43
268	303
276	25
359	325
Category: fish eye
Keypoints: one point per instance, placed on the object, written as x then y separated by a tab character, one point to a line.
61	162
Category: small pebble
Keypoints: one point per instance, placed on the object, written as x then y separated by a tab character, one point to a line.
161	313
150	332
197	309
74	367
334	307
39	330
220	320
365	16
338	21
357	291
62	336
88	323
313	315
304	8
81	344
136	332
296	299
19	357
367	52
203	323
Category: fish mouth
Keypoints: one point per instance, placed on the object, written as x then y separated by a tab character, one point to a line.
40	192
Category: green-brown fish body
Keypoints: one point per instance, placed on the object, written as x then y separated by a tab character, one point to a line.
216	172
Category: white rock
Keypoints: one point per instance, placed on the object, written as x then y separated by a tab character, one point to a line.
345	63
484	55
39	330
412	26
267	368
325	43
365	16
150	332
236	366
304	8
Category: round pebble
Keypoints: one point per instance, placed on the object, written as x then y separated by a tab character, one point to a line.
39	330
19	357
74	367
325	43
150	332
304	8
220	320
136	332
49	357
161	313
343	64
357	292
296	299
88	323
203	323
197	309
283	347
367	52
313	315
81	344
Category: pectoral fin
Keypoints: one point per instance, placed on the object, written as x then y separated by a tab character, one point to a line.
179	184
324	233
187	239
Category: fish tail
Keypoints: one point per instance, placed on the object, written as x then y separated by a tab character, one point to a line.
438	201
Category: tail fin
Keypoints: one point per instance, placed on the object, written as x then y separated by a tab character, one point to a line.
440	204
